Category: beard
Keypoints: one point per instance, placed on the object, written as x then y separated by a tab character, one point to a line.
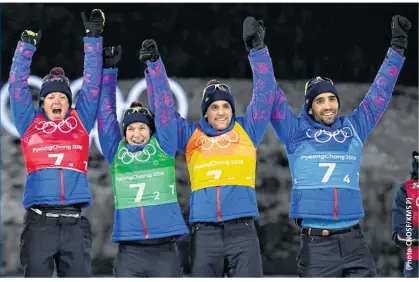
328	120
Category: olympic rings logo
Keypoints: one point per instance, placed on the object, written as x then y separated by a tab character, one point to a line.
128	157
134	93
65	126
323	136
222	141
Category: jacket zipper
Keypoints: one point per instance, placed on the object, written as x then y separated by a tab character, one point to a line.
143	222
219	216
335	210
218	204
62	187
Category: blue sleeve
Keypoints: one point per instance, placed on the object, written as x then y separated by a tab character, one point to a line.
23	111
185	131
366	116
108	126
256	120
399	227
173	130
283	120
88	97
150	91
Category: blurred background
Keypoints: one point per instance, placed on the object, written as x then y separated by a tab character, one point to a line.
197	42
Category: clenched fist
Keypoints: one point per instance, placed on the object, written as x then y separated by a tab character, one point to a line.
149	51
31	37
253	34
399	28
111	56
94	26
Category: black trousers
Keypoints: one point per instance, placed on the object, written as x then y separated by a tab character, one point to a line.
63	241
230	248
338	255
148	260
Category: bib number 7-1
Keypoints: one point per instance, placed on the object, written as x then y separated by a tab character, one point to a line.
59	158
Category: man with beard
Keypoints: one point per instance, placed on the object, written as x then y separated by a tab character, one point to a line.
220	153
324	152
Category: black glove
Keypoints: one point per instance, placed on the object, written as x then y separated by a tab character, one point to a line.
149	51
399	28
111	56
94	26
31	37
253	34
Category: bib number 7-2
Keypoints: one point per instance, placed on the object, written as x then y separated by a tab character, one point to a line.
140	192
141	187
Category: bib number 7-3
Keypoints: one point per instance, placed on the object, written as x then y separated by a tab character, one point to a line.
330	168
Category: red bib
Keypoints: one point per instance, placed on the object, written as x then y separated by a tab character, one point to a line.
56	144
412	189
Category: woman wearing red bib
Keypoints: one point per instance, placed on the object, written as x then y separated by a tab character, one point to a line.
55	144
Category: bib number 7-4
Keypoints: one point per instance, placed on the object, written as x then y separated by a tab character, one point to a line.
330	168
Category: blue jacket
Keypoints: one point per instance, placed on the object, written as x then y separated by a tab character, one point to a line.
43	187
232	201
164	220
325	161
403	232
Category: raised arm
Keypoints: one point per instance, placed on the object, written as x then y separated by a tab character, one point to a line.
173	130
150	90
256	119
23	111
88	99
283	120
108	126
268	101
366	116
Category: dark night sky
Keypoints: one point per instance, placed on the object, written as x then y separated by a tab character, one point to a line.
345	41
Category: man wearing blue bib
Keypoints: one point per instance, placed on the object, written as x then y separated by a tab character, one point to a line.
324	152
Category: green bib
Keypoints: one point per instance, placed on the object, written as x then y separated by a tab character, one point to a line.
143	178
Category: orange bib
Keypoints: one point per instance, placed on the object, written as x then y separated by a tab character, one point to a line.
227	159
